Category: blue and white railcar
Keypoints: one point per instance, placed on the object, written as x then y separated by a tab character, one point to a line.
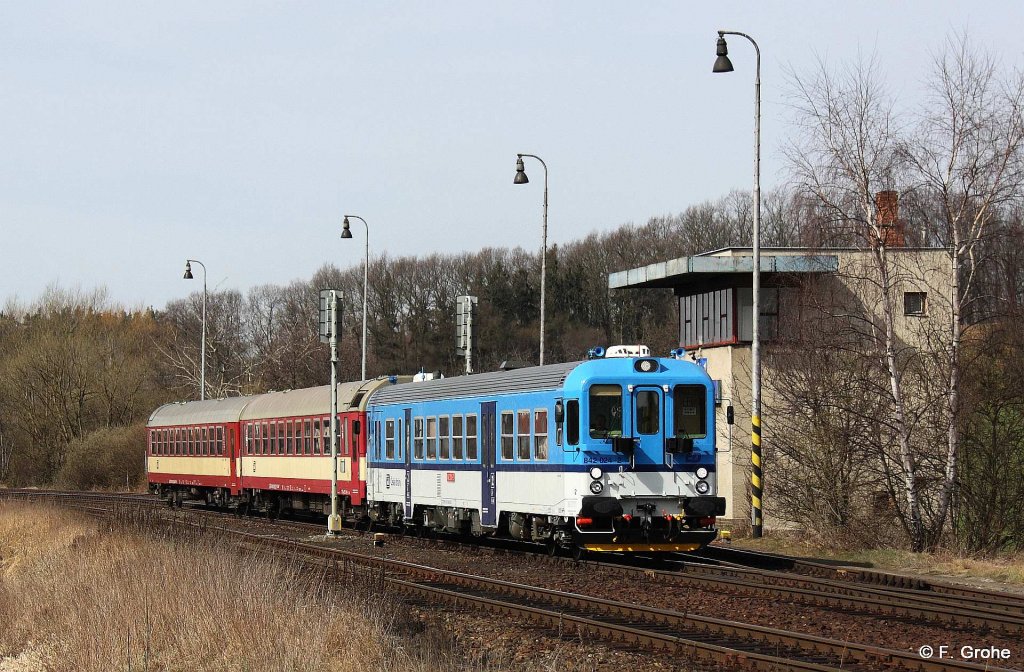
610	454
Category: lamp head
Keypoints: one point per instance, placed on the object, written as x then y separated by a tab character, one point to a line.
722	63
521	177
188	270
346	232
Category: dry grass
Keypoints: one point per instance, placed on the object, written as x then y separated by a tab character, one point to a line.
1007	569
79	595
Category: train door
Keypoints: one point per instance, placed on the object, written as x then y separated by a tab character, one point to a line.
649	424
407	438
234	456
488	476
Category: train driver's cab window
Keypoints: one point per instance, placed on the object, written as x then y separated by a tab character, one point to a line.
690	419
507	435
605	411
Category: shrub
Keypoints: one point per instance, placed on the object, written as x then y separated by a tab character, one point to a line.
107	458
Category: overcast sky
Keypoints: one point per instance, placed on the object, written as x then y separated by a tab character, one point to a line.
136	134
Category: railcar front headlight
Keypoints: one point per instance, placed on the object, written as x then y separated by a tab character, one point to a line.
596	487
646	365
703	488
702	472
596	473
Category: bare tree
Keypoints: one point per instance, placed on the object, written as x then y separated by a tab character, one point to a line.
966	156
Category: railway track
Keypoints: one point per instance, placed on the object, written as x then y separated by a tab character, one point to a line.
853	574
734	644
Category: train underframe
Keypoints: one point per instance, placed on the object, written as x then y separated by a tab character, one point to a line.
593	530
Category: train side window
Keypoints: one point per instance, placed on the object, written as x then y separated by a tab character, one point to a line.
273	438
540	433
376	439
264	438
177	441
690	414
523	434
431	438
343	437
403	448
471	436
605	411
417	424
507	435
220	440
316	436
192	441
247	439
572	422
289	433
457	437
389	438
307	436
444	437
280	438
204	446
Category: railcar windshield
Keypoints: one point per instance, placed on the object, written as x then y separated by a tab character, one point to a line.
690	411
605	411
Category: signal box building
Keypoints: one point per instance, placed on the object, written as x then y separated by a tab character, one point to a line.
713	294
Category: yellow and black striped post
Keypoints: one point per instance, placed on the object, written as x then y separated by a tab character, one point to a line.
755	476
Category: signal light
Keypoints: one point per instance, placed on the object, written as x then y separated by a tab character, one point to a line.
584	521
646	365
628	517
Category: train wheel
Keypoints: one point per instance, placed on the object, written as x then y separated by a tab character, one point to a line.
552	548
578	552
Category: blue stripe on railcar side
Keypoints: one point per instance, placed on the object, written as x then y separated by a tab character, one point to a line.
572	468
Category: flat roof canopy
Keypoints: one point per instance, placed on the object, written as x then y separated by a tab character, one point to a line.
684	271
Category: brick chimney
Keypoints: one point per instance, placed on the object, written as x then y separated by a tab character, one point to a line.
887	212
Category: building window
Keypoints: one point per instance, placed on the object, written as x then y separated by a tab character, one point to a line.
915	303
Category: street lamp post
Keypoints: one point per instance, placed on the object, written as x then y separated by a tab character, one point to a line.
202	347
522	179
346	232
723	64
